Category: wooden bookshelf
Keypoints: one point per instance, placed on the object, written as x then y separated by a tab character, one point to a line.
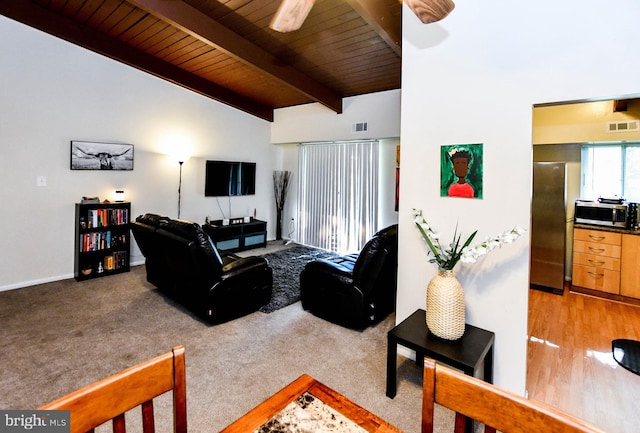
102	239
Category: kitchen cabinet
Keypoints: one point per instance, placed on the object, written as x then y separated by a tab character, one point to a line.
597	260
630	277
605	262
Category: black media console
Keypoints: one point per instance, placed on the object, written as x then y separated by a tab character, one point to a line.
239	236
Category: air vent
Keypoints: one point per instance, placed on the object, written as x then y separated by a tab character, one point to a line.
628	126
360	127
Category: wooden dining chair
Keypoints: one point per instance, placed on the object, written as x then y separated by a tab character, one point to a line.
109	398
497	409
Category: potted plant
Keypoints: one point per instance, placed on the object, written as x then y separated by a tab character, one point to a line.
445	295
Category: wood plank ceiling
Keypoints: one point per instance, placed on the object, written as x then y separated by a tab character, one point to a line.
224	49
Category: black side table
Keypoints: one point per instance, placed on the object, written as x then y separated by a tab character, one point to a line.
466	354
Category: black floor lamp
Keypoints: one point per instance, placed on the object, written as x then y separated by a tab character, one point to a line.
182	158
180	187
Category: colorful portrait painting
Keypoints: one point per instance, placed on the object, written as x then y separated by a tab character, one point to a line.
461	170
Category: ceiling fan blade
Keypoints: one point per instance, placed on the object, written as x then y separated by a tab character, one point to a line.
290	15
430	11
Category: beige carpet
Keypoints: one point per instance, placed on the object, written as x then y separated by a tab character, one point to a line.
60	336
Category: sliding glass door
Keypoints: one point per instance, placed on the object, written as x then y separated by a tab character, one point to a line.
338	194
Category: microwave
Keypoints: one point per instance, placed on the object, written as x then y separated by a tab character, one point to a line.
601	214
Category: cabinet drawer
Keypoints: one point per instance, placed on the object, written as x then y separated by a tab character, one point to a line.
228	244
597	249
255	239
604	280
597	236
595	261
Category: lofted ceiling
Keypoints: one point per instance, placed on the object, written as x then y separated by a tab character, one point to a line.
225	50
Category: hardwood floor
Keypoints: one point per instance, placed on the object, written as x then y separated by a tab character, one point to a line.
570	365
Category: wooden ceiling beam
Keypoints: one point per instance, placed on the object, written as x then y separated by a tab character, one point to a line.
206	29
37	17
620	105
378	15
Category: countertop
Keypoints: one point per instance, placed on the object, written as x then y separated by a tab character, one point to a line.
607	229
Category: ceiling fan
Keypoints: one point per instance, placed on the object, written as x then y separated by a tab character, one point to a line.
292	13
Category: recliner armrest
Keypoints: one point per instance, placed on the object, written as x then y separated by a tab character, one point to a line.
243	264
334	272
228	258
342	265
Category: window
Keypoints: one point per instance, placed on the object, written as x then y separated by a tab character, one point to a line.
338	195
610	170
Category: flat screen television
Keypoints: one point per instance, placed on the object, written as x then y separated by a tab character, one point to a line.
228	178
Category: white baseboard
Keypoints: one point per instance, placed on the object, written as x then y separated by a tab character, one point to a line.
407	353
29	283
22	284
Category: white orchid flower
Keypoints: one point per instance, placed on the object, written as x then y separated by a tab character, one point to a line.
480	250
468	256
456	251
492	244
508	237
518	230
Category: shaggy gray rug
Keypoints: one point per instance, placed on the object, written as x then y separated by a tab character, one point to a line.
287	265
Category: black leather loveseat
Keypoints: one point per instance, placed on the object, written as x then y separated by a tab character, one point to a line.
182	262
356	290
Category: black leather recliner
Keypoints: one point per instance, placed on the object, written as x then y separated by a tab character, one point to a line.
182	262
356	290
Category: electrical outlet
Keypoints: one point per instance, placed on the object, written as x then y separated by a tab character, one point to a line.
41	181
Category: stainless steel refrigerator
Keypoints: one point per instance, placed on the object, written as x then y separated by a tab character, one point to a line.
548	226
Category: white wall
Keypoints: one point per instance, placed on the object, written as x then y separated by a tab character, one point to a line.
387	214
54	92
473	78
314	122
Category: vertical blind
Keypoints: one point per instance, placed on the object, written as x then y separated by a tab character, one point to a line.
338	195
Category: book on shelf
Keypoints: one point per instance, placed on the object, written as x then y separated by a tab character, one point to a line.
107	217
108	263
119	259
115	261
97	241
